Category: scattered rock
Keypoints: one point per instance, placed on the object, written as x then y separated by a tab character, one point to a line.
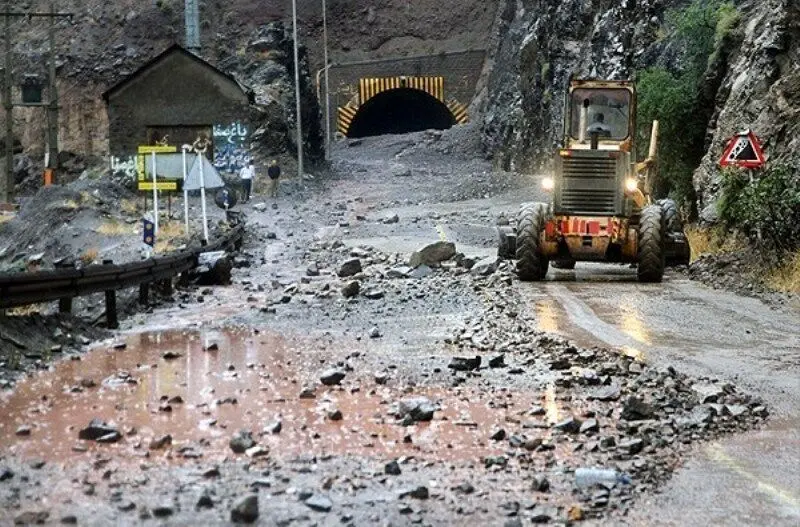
465	363
707	392
416	409
32	518
569	425
319	503
332	377
245	510
349	268
161	442
540	483
241	441
352	289
497	361
23	431
432	255
375	333
98	430
634	409
420	492
392	468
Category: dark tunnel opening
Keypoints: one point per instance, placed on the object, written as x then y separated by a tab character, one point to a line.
400	111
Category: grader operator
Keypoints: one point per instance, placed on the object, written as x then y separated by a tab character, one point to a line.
601	207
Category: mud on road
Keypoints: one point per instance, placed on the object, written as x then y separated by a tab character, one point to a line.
318	391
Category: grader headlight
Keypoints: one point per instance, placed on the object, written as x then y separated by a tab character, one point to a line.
548	184
631	184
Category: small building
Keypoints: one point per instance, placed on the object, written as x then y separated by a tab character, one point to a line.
172	100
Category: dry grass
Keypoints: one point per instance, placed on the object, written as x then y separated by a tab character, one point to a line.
708	241
89	256
130	206
24	311
115	228
170	236
786	277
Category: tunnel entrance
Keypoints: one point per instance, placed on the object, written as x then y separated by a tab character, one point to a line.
400	111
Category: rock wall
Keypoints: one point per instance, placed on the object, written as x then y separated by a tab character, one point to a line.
760	91
541	45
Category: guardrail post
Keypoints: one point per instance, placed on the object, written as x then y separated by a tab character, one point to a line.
144	294
111	304
65	305
111	310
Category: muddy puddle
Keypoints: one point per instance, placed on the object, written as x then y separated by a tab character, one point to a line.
201	387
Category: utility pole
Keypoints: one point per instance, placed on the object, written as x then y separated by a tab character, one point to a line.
192	22
297	93
327	85
7	182
52	96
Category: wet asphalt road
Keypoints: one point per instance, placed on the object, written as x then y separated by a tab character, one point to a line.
748	479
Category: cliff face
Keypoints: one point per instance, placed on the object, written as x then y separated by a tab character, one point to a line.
540	44
760	91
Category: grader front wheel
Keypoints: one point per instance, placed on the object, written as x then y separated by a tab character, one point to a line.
652	234
531	264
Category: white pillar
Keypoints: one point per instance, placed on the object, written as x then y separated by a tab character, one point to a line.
185	191
201	158
155	196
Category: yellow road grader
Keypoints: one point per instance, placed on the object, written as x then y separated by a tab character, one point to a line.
601	207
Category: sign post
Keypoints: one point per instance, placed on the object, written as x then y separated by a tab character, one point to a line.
184	148
155	195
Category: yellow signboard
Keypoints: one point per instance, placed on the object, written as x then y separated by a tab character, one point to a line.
167	186
144	151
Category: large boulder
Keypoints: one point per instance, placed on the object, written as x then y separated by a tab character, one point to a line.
432	255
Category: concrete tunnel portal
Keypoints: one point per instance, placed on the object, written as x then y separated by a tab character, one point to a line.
400	111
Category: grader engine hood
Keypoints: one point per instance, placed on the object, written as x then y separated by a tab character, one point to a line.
591	182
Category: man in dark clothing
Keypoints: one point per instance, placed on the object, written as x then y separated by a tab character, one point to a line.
274	173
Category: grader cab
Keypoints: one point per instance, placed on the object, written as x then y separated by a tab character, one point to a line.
601	208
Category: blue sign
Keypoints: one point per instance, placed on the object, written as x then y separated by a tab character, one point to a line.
148	232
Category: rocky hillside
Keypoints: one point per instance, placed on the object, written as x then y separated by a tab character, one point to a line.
105	41
540	44
760	90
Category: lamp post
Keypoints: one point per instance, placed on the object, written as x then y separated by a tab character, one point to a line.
327	86
297	93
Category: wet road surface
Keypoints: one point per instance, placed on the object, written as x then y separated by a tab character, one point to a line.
749	479
202	397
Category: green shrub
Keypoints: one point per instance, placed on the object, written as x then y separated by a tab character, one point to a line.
765	206
673	98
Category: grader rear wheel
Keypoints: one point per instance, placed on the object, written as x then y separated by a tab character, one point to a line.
531	264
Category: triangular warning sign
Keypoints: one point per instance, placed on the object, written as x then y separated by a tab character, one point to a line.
744	151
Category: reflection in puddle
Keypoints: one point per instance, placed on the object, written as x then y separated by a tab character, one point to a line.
632	324
547	316
220	382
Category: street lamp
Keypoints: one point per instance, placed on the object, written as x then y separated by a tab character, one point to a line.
297	93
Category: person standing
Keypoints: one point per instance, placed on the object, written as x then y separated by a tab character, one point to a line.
274	173
247	173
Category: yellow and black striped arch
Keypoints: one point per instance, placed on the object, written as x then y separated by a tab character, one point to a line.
369	87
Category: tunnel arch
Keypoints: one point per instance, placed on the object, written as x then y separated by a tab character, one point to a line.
399	111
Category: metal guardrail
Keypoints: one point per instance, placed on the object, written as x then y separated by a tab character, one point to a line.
22	289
